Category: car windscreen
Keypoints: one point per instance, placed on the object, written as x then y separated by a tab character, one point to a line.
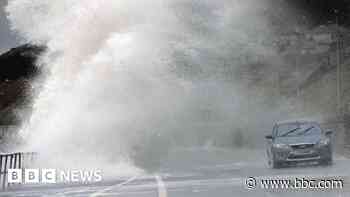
298	129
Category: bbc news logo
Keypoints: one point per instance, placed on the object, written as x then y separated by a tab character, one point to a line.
52	176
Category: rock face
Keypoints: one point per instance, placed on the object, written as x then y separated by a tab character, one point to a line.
17	70
19	62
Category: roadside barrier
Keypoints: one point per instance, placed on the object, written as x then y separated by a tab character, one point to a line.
14	161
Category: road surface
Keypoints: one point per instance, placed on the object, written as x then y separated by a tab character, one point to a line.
201	176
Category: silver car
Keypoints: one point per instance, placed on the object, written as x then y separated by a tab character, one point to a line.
292	142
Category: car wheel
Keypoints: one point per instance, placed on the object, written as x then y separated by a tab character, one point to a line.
269	160
326	162
327	159
276	165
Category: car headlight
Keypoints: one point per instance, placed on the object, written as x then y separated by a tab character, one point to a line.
281	146
324	142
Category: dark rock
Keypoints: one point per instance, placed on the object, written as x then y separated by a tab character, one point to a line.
19	62
17	70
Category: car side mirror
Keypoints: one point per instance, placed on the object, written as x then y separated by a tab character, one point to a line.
329	132
269	137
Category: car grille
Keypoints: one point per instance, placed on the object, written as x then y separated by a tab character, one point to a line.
302	146
303	156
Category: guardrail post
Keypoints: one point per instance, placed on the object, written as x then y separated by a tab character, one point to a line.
0	165
1	171
5	172
20	161
11	161
15	161
10	166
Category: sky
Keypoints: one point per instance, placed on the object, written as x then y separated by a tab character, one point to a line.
8	39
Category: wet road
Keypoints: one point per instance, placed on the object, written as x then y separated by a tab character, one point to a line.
203	177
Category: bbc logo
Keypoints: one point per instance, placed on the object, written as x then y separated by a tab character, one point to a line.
32	176
29	176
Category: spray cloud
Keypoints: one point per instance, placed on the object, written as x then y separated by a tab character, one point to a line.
119	73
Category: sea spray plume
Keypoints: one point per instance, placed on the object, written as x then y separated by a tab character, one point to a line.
125	76
108	78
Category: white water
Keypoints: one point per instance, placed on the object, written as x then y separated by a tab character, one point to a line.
113	78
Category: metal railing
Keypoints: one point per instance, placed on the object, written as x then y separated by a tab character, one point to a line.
18	160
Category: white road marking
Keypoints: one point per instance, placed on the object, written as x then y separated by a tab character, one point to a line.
101	192
161	187
74	191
